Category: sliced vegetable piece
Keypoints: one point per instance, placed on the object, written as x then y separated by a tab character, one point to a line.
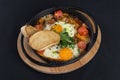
39	26
83	38
83	30
58	14
82	45
41	51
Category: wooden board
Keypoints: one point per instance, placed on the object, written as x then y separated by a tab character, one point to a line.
55	70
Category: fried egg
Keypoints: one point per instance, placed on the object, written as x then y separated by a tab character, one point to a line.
52	52
69	28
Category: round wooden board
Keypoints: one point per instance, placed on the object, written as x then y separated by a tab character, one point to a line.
61	69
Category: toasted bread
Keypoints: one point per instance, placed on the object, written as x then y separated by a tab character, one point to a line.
28	30
43	39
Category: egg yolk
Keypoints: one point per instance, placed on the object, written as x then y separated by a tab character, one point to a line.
65	54
58	28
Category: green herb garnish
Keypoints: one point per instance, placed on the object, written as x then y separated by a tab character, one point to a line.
66	40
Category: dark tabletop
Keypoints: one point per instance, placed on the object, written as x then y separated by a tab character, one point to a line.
104	66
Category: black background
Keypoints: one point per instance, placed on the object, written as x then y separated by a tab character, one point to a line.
104	66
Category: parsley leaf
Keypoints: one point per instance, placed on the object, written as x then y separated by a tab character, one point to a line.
66	40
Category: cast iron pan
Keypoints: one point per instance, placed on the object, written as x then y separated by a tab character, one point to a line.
74	12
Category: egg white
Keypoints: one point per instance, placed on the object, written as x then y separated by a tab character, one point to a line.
68	27
52	52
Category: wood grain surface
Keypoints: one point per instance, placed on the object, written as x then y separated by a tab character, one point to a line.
61	69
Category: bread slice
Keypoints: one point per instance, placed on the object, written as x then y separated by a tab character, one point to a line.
43	39
40	40
28	30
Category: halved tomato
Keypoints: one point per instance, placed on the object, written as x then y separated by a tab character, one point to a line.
41	51
82	45
58	14
83	30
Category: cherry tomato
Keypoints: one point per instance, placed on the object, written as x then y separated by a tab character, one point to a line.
58	14
83	30
82	45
